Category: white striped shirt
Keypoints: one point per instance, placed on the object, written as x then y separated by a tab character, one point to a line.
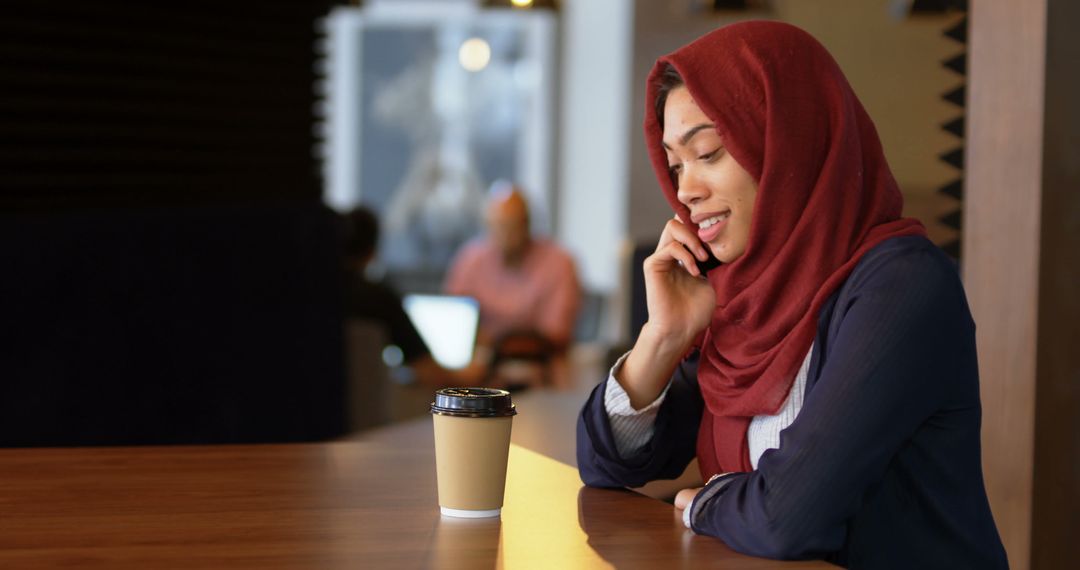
633	429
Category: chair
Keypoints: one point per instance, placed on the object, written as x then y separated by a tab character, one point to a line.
368	386
520	359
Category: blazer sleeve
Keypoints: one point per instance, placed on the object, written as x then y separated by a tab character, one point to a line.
904	334
665	457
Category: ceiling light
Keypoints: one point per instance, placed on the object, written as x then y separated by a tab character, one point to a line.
474	54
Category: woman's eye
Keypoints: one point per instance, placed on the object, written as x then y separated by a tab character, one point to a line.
675	169
710	156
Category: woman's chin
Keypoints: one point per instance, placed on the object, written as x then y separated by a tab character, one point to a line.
724	252
718	250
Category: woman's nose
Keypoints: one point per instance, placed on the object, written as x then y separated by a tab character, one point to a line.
691	189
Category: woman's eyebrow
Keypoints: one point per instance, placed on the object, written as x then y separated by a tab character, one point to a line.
685	138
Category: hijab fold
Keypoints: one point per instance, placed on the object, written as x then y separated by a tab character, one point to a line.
825	197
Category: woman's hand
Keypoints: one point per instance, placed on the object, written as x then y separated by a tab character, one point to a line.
685	497
680	303
683	500
679	299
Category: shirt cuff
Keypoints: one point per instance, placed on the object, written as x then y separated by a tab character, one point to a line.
632	429
716	483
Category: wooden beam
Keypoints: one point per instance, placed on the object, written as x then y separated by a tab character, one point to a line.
1002	228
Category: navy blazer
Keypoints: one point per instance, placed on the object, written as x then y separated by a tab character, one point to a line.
881	468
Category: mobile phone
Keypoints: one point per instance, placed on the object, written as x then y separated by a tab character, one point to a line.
709	264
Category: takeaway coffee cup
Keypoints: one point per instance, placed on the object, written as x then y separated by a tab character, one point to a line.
472	443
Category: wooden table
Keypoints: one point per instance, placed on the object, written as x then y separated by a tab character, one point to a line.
369	503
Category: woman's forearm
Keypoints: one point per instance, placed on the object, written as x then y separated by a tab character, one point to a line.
650	365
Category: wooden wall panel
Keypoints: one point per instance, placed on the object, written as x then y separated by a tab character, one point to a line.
1022	270
1055	530
1001	246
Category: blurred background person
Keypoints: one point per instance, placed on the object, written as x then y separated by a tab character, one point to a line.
528	292
373	301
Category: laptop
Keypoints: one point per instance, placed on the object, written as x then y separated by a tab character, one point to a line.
448	325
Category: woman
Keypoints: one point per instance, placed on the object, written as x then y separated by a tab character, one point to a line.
824	374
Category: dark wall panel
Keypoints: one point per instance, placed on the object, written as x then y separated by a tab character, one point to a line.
162	326
167	273
156	103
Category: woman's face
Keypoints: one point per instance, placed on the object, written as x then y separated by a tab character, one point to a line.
717	190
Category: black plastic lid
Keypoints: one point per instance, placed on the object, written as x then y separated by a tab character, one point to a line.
473	403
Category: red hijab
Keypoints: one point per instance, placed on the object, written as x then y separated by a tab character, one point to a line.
825	197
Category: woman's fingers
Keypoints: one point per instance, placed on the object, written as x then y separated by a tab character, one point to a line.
685	497
676	231
673	251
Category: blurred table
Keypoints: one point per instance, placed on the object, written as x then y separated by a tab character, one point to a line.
365	503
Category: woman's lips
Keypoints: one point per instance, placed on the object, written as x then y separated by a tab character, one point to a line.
710	233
